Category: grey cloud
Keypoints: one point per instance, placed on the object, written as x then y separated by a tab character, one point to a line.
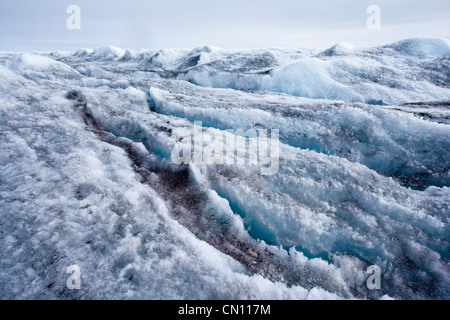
33	25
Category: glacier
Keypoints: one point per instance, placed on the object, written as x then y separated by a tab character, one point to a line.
364	173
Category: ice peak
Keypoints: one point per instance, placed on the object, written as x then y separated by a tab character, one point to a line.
339	49
107	51
422	47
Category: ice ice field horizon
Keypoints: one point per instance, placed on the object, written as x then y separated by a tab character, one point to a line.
87	177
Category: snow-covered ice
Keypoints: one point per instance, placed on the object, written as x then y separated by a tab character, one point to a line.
363	179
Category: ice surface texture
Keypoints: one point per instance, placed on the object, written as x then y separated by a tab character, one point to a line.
364	178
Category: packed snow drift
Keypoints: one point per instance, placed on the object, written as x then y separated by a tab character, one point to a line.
361	179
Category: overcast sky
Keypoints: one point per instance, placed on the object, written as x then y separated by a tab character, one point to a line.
155	24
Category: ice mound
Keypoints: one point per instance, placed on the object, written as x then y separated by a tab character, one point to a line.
392	74
310	78
83	52
108	51
167	58
33	62
352	79
96	72
339	49
423	47
130	55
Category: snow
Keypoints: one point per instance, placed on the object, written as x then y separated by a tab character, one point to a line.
95	72
87	176
111	240
339	49
108	51
386	140
350	79
28	62
83	52
131	55
391	74
423	47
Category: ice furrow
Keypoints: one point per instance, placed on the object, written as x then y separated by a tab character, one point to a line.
385	140
196	209
306	216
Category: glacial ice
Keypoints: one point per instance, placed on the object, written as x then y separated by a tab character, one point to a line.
108	51
423	47
39	66
364	173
